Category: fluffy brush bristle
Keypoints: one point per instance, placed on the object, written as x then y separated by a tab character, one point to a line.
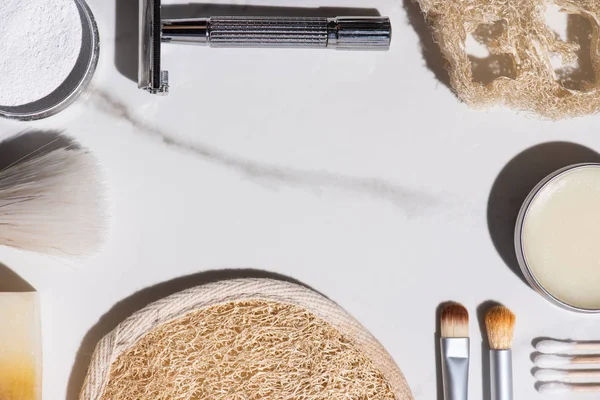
455	321
500	325
52	202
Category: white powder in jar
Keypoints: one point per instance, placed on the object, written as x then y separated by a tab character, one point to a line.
40	41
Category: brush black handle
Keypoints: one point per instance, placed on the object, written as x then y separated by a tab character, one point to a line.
349	33
501	383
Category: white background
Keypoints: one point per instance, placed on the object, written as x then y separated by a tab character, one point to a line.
359	174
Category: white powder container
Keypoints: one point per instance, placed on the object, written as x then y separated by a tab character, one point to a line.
558	238
48	54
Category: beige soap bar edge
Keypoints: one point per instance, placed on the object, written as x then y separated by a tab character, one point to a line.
20	347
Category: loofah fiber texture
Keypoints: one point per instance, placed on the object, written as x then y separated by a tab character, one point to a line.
521	46
245	339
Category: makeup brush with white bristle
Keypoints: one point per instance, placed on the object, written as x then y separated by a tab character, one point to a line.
562	388
552	346
455	349
500	326
51	202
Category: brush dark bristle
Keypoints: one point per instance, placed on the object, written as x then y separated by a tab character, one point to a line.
455	321
500	325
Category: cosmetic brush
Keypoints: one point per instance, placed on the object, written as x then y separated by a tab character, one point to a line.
561	388
552	346
455	349
500	325
567	375
51	202
554	361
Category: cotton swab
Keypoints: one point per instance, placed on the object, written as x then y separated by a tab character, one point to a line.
561	388
554	361
568	376
551	346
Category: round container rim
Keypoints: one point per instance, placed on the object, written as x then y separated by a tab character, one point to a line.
89	55
522	260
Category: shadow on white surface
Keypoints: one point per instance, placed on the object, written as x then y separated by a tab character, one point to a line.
487	67
10	282
432	55
21	146
125	308
514	183
581	76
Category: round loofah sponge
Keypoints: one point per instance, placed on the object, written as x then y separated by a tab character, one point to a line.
522	49
243	339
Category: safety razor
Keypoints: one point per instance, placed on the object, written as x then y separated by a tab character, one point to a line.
342	33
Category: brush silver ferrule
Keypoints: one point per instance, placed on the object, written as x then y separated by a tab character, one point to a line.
501	384
455	368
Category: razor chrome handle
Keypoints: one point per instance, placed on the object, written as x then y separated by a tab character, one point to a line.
344	33
347	33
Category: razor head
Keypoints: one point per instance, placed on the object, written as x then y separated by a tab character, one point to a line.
150	76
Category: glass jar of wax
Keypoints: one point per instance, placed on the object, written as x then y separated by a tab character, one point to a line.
557	238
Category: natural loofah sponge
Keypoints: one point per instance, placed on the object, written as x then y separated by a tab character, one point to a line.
520	71
243	339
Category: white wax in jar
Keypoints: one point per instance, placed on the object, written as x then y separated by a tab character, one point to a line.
561	237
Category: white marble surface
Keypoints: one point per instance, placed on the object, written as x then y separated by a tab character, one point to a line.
358	174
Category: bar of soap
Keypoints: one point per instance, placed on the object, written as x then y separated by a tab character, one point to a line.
20	347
